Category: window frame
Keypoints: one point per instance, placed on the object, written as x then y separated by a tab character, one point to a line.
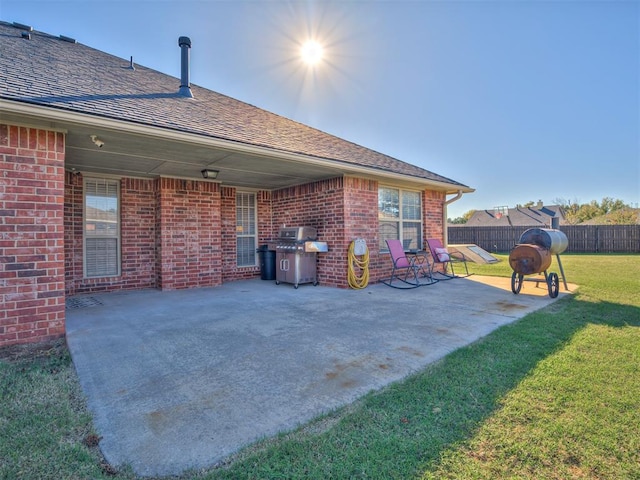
253	235
400	220
112	181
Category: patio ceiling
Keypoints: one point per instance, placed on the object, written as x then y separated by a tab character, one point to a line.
148	153
142	156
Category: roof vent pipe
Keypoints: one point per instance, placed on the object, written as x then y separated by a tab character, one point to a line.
185	84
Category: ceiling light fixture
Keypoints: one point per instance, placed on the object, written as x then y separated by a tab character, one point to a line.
209	173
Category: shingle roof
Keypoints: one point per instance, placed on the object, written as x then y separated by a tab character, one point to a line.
519	216
49	71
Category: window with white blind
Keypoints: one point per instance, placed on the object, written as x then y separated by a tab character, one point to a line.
400	217
101	227
246	229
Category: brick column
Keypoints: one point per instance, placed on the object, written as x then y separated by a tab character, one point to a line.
433	206
188	230
73	216
31	234
361	221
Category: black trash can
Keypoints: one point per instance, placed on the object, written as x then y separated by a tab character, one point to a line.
267	262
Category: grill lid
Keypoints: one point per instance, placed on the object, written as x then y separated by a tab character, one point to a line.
298	234
553	240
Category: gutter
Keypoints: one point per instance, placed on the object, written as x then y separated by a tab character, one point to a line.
82	119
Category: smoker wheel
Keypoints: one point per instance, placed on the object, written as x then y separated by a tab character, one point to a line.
553	284
516	282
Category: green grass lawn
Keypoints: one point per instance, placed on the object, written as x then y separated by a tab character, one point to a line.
555	395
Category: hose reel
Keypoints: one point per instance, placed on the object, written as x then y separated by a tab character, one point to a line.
358	274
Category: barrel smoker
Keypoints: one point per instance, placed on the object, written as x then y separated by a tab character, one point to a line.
532	255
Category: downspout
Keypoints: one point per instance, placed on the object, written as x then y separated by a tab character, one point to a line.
445	229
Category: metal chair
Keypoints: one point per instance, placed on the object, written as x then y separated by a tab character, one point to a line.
408	270
447	258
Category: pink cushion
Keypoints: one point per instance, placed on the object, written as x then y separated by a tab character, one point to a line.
402	262
443	255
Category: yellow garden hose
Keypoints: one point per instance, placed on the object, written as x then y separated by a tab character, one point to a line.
358	268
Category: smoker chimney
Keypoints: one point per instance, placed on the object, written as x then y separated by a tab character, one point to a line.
185	84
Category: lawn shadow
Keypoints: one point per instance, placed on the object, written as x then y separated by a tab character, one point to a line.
402	430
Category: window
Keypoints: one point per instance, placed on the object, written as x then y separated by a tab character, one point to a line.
101	227
246	229
400	217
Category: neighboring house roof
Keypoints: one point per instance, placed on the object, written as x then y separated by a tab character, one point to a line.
59	74
539	216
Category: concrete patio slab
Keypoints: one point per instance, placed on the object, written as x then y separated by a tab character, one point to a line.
182	379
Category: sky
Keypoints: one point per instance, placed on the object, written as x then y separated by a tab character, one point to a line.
520	100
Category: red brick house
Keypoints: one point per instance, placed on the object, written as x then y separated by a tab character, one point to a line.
101	184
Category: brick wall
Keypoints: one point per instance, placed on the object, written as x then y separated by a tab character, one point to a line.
320	205
188	231
361	204
433	204
228	229
230	270
72	232
343	209
267	228
31	234
142	238
137	234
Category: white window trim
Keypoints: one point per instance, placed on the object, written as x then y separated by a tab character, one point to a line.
116	181
400	218
255	227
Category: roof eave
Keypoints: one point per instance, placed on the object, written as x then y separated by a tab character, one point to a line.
72	117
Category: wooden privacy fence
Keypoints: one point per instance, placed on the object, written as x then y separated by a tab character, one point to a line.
582	238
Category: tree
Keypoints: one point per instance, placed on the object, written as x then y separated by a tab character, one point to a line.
575	213
463	219
609	205
623	216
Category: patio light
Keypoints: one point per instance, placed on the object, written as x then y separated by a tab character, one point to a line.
209	173
99	143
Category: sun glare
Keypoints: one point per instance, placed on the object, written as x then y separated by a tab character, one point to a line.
311	52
